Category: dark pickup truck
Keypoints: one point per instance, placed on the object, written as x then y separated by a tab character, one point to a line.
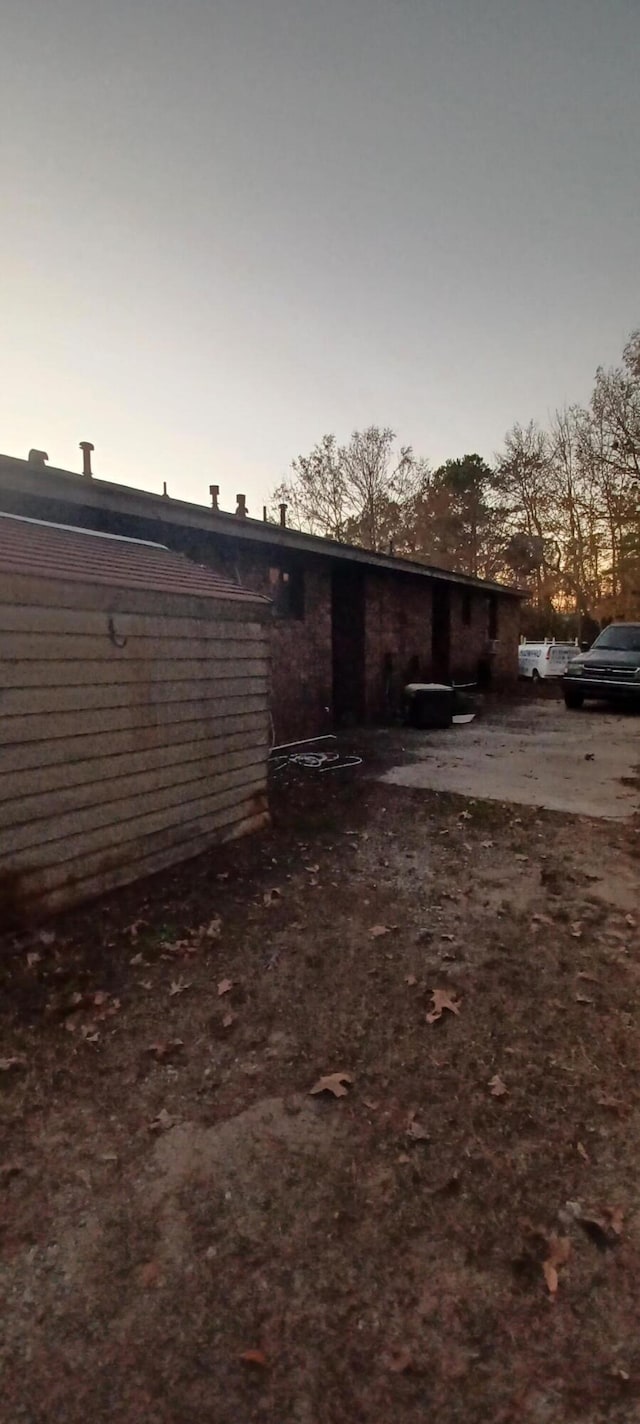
609	672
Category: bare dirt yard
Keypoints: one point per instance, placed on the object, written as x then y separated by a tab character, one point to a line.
449	1230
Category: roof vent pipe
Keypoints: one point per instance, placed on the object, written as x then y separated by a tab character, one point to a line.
241	507
86	447
37	457
283	515
214	491
264	513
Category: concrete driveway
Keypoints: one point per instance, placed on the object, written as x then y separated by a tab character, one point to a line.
533	754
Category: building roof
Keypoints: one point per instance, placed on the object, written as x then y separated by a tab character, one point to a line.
41	550
19	476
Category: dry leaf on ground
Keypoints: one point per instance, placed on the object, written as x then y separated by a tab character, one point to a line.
224	987
150	1275
214	927
162	1122
377	931
336	1083
576	929
271	897
416	1131
410	979
442	1002
228	1020
254	1357
497	1086
399	1360
165	1048
8	1064
604	1227
559	1252
178	986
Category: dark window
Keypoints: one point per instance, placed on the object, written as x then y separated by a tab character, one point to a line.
286	588
466	607
493	616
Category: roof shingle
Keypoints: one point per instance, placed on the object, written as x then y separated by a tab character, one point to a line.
29	546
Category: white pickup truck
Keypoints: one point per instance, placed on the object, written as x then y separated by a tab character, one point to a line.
548	659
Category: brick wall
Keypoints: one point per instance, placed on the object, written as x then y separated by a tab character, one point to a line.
301	661
397	623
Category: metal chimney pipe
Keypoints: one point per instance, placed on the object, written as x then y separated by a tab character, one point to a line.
283	515
86	447
264	513
165	492
214	491
241	507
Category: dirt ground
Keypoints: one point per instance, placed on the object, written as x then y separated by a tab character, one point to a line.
190	1234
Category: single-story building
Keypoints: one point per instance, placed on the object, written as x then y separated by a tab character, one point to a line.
350	627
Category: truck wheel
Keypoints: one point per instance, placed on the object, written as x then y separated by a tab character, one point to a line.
574	700
535	676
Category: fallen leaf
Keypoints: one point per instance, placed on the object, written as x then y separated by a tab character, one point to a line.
377	931
224	987
498	1088
559	1252
228	1020
149	1275
7	1065
136	959
583	999
399	1360
162	1122
411	980
416	1131
102	997
464	816
312	869
178	986
254	1357
214	928
371	1104
540	919
47	937
522	858
603	1227
333	1083
165	1048
589	978
615	1104
575	929
271	897
442	1002
631	921
583	1152
486	845
616	1218
33	958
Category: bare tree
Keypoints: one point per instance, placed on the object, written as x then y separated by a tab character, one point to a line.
355	491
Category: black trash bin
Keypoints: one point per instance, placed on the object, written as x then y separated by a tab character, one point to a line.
428	705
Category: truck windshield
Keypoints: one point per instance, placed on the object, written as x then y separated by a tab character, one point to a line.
624	638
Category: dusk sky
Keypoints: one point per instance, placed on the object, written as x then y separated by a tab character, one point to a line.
230	226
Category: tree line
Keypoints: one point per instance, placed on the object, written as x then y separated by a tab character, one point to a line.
557	512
